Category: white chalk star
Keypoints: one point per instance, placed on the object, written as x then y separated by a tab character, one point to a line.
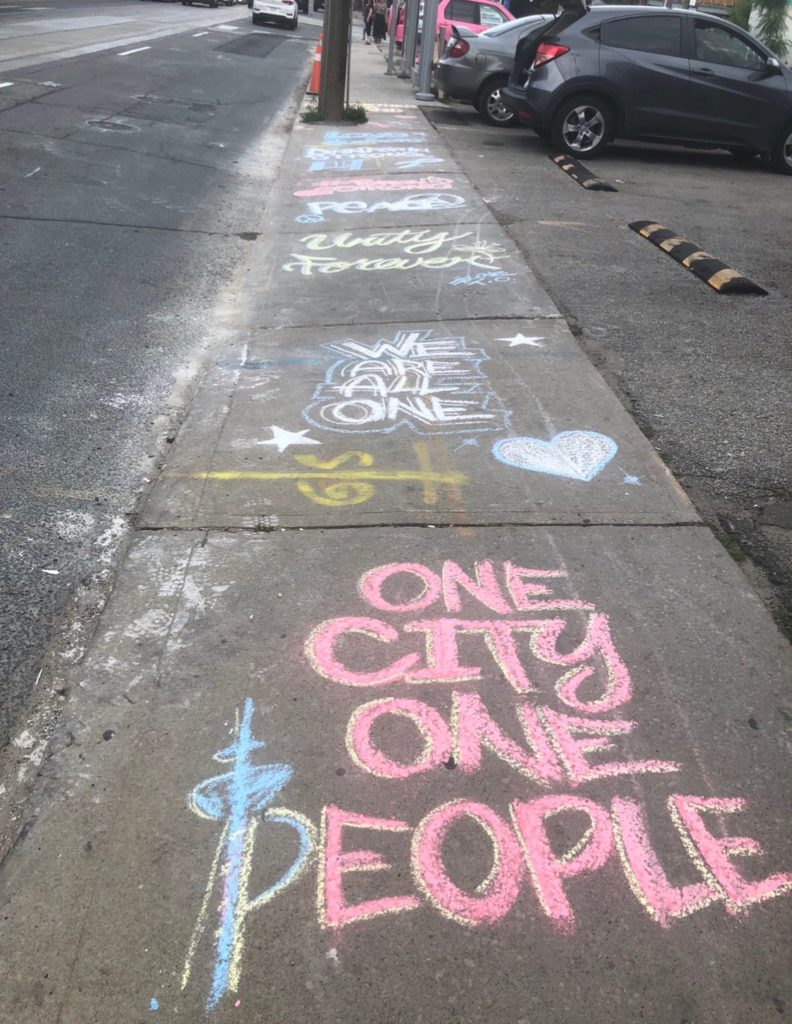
281	438
521	339
632	480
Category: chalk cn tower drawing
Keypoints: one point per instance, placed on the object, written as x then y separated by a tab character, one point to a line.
241	799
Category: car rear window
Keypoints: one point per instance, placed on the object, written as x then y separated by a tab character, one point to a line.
462	10
490	16
659	33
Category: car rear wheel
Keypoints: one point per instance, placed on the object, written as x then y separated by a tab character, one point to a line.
293	24
490	105
257	20
782	154
582	126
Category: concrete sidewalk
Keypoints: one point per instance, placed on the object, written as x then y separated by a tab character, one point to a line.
423	695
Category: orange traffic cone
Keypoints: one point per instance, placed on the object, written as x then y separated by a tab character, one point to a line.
316	71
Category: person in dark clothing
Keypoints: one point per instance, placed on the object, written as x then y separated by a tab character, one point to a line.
379	26
368	20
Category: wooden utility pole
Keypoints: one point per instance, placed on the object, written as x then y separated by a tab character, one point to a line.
332	87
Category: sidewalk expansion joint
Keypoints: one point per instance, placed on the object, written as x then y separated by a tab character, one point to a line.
412	524
347	326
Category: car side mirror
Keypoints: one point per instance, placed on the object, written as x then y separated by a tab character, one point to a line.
773	66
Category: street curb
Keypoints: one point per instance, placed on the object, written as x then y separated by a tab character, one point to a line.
581	174
718	275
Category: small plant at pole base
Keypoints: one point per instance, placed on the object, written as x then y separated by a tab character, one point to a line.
355	113
310	115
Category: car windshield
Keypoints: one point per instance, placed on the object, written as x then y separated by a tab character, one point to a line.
511	26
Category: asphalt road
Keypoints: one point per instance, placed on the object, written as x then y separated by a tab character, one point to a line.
707	376
131	187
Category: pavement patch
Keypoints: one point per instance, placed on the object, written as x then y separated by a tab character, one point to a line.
253	45
712	271
582	175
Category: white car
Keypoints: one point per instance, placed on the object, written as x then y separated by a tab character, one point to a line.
283	11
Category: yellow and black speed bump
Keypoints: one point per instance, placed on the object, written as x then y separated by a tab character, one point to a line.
582	175
715	273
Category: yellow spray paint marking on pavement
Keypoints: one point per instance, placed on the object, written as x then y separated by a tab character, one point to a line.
344	487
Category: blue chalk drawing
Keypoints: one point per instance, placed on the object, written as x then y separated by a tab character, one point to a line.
485	277
241	799
574	454
153	1005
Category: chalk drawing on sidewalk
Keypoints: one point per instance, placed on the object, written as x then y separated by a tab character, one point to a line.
359	158
427	202
574	454
484	277
283	439
564	742
431	384
241	799
351	478
368	138
523	339
411	249
331	186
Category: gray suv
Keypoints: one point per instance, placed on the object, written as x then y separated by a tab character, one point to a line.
668	75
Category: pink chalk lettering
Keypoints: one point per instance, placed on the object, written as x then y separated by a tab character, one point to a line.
442	654
597	641
371	583
499	638
534	597
549	872
334	911
484	588
428	722
320	651
495	896
334	185
663	901
712	854
564	730
523	592
473	728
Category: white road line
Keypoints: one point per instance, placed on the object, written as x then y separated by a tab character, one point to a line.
5	85
30	175
225	28
196	34
139	49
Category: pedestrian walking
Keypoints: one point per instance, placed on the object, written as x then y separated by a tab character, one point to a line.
379	27
368	21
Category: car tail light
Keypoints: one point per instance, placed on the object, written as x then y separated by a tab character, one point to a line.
546	52
457	47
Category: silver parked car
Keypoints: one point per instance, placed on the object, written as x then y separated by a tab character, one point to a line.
476	67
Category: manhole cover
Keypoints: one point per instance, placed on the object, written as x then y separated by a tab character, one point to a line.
111	126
